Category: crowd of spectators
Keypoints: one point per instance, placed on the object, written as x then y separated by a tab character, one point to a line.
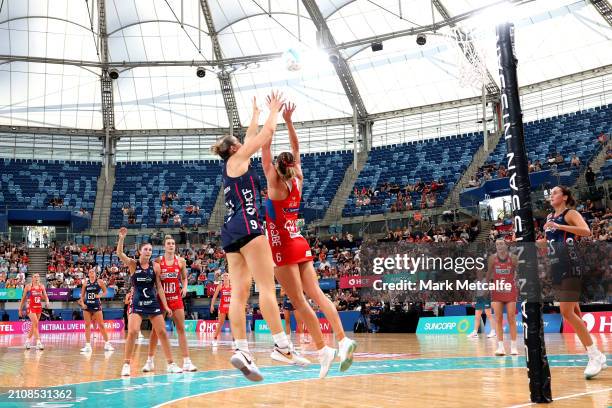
13	265
403	198
459	232
56	202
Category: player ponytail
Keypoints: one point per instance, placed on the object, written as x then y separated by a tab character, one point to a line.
285	165
223	147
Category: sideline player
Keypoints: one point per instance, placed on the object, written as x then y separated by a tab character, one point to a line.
36	292
171	268
92	309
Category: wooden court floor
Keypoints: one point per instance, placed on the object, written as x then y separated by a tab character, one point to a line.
390	370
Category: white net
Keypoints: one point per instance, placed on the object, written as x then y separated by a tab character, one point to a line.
470	56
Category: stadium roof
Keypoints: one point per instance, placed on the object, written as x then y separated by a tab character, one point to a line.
52	55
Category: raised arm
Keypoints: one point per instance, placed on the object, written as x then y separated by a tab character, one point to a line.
129	262
254	143
293	139
266	160
254	125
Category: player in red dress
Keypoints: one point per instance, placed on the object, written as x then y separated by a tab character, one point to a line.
226	295
502	267
36	293
291	252
172	267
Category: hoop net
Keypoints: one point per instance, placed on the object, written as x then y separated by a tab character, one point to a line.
471	56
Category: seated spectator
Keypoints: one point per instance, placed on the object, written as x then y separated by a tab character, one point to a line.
602	138
189	209
196	209
474	182
559	159
177	219
575	161
551	159
537	166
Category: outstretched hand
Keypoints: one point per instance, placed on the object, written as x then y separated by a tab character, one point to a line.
275	101
288	109
256	110
123	232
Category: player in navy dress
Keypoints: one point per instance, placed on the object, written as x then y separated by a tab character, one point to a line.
147	287
248	253
92	309
562	228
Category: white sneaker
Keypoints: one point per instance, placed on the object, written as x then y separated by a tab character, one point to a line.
501	351
595	365
125	371
473	335
491	334
86	349
149	366
346	349
326	358
108	346
140	336
513	349
39	346
174	369
189	367
289	357
244	362
27	345
215	343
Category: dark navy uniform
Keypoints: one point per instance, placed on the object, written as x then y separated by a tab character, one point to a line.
561	251
91	291
144	299
243	204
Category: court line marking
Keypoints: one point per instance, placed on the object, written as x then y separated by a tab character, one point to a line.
233	370
564	397
364	375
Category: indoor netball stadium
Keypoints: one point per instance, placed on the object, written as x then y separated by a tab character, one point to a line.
445	242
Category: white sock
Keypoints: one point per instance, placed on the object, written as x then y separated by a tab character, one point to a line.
281	340
186	360
500	344
150	358
87	345
592	350
513	343
242	345
343	341
321	350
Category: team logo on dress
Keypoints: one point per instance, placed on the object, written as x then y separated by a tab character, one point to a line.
26	326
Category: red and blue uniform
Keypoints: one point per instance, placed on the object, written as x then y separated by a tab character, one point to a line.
171	283
504	269
35	300
226	297
288	245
